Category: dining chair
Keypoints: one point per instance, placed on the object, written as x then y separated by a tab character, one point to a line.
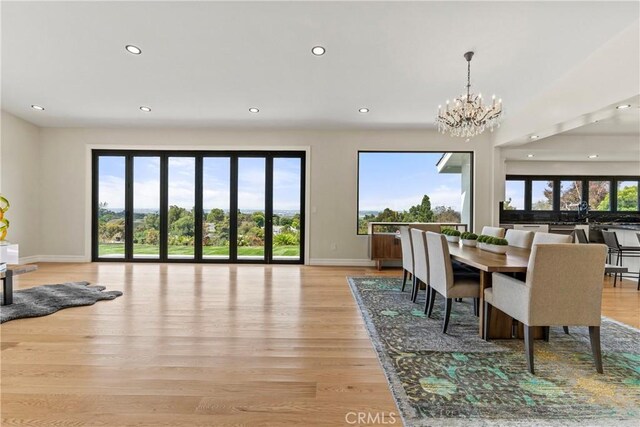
563	287
581	235
519	238
493	231
442	279
621	252
407	255
550	238
421	262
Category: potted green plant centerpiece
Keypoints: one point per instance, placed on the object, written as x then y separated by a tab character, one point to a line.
468	239
493	244
452	235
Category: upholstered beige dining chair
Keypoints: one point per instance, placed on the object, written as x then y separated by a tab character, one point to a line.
407	255
443	281
563	287
420	265
551	238
493	231
519	238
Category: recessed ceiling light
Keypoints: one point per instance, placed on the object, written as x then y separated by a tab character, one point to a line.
318	50
254	110
530	155
364	110
593	156
623	106
534	137
37	107
145	109
133	49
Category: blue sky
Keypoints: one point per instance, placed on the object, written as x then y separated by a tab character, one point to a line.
251	173
399	180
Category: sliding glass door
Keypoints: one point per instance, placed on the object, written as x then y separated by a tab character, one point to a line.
146	207
198	206
110	236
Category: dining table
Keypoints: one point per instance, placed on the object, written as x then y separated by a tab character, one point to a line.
514	261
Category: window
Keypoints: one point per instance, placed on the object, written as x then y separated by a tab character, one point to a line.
514	195
627	197
198	206
542	195
414	187
570	195
599	195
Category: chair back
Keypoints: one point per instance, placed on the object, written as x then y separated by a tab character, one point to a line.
581	235
539	238
420	261
493	231
407	249
610	239
565	282
436	228
440	268
519	238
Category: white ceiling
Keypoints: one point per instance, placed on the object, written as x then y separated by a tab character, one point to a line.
206	63
621	122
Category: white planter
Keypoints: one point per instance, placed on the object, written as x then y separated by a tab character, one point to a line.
468	242
453	239
498	249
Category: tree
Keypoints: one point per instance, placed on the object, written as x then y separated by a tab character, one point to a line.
446	214
598	192
627	199
175	213
258	218
571	197
183	226
215	215
421	212
152	221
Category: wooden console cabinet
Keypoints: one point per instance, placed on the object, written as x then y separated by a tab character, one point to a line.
384	244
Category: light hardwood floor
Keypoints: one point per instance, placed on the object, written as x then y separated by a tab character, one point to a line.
191	345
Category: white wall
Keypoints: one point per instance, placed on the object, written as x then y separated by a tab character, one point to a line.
65	178
19	181
572	168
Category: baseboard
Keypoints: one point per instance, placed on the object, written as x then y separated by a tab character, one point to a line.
342	262
29	259
53	258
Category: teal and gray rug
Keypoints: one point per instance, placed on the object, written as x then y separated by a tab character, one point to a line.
459	379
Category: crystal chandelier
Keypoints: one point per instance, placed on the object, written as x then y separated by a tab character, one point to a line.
468	116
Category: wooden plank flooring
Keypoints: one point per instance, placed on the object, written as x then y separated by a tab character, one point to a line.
191	345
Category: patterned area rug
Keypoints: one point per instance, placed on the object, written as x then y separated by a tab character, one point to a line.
459	379
47	299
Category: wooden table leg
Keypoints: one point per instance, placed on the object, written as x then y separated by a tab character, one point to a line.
500	327
485	282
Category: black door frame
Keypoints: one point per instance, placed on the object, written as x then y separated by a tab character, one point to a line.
199	157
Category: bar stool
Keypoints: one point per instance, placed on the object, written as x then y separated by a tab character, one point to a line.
620	252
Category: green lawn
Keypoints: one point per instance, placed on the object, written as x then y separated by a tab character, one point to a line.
107	249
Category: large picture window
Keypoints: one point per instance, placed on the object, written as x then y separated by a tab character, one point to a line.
562	194
414	187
